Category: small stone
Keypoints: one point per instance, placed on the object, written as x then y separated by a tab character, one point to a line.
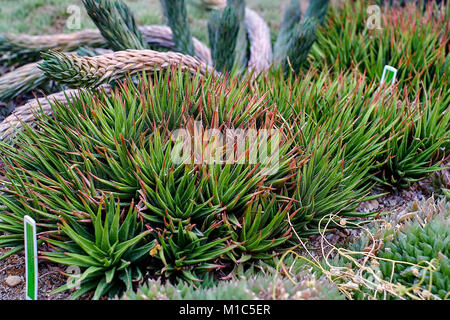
13	281
373	205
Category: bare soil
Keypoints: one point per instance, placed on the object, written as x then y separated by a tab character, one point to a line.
50	278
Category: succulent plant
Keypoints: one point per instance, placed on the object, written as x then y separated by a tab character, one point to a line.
291	17
198	218
98	167
108	254
410	39
116	24
257	283
406	255
223	29
176	16
422	239
325	176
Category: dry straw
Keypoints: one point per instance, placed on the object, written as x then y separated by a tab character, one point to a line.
361	274
88	72
27	112
76	71
260	44
157	35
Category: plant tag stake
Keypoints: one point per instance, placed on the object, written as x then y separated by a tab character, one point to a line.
31	259
389	75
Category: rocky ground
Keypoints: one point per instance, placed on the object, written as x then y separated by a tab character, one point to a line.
12	279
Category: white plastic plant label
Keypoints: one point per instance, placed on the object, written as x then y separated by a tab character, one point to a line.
31	259
389	75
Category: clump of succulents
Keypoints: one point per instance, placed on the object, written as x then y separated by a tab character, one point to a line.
410	39
198	219
420	241
229	33
189	218
253	284
116	144
108	252
100	168
414	41
410	137
406	256
252	288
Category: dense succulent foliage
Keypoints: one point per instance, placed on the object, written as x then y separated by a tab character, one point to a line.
223	30
101	173
100	148
425	241
261	281
406	137
414	41
406	256
197	217
254	287
107	253
116	23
